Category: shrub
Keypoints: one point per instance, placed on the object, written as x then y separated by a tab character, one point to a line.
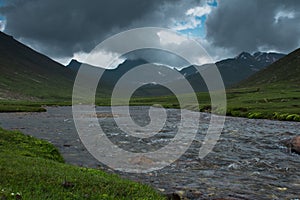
286	116
297	118
293	117
256	115
283	116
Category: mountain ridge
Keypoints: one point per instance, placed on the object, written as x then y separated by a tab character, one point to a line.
232	70
26	73
286	69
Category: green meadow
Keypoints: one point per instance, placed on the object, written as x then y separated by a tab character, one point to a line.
278	102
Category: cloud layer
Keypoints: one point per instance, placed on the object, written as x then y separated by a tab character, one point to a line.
61	28
255	25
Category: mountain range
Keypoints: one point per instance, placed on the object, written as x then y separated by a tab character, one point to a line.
27	74
233	70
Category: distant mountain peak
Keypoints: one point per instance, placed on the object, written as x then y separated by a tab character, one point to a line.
244	55
74	65
258	53
74	61
267	57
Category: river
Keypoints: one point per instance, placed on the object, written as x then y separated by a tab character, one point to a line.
248	162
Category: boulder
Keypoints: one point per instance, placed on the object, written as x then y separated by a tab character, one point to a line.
293	144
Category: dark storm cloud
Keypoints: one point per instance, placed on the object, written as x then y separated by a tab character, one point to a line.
255	24
60	27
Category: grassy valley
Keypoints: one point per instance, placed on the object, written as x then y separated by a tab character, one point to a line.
30	80
33	169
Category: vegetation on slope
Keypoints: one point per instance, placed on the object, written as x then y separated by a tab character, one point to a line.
271	93
29	75
284	74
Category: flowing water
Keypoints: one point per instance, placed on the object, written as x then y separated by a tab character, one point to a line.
248	162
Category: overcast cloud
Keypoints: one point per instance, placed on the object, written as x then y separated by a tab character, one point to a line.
62	28
255	25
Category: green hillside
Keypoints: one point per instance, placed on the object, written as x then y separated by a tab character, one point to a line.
270	93
29	75
283	73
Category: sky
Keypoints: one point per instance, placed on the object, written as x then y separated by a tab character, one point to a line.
64	29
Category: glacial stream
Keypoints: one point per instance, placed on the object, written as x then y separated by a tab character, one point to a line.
248	161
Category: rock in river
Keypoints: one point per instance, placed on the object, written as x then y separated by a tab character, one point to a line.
293	144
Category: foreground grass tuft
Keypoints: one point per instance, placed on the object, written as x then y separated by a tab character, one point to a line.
33	169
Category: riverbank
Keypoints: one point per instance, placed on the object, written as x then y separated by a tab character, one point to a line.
276	102
31	168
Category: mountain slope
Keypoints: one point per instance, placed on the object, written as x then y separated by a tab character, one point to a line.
244	65
234	70
285	71
27	74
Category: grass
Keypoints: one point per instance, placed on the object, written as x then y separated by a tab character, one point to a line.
280	101
275	101
270	102
30	106
33	169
